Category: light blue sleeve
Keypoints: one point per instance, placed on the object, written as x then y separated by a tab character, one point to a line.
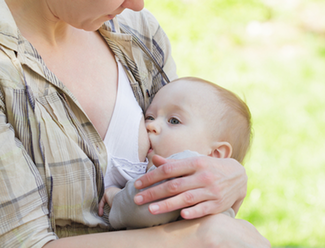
126	214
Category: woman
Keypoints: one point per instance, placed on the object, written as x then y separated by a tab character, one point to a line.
59	82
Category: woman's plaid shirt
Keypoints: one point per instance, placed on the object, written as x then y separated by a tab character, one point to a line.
51	156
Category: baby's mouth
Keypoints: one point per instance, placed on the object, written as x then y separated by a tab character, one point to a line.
150	148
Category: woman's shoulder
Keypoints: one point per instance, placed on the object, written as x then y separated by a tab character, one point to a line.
142	21
9	74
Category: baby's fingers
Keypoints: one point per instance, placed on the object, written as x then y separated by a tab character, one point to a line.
101	206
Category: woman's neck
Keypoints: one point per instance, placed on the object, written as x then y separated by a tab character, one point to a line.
37	23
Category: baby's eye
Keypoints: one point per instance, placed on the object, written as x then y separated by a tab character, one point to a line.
149	118
174	121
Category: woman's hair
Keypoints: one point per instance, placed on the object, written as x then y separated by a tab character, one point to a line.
233	123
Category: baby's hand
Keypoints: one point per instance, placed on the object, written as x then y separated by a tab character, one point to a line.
107	198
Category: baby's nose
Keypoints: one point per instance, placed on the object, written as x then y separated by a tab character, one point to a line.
153	127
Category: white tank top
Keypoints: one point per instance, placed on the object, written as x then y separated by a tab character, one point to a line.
122	137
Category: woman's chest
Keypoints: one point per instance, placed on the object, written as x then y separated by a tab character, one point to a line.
91	76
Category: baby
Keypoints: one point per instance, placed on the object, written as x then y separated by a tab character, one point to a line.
188	117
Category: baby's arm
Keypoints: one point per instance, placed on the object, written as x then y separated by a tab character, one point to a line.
118	172
126	214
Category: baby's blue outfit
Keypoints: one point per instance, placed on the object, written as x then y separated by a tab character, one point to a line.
126	214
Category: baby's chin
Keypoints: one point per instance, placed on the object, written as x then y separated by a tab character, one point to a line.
149	162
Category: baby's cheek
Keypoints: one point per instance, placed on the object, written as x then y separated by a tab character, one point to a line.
143	141
173	148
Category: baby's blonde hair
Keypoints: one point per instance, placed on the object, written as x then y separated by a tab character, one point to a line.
234	123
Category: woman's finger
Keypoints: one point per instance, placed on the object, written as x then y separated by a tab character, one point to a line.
201	209
185	199
159	160
176	186
171	169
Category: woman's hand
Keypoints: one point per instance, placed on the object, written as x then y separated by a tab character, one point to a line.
200	186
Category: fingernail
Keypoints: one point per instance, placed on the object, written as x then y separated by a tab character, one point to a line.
138	184
138	199
185	213
154	208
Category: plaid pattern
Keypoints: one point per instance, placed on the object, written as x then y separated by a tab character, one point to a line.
51	157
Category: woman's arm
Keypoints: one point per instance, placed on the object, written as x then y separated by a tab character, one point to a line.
23	196
210	231
202	186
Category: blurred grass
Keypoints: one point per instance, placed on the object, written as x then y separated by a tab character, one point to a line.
272	53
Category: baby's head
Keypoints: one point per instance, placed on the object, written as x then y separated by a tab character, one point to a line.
194	114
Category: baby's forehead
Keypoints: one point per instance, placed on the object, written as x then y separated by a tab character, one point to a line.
195	96
199	95
191	89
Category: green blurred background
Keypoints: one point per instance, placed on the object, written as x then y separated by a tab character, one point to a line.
272	53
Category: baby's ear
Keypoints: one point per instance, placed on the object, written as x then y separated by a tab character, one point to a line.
221	150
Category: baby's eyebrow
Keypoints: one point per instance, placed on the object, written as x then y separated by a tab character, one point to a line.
178	108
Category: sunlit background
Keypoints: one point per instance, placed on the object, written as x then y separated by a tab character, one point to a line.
272	53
